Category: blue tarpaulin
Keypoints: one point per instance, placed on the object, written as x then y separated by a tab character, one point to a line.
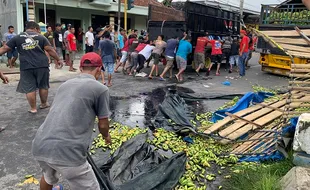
243	103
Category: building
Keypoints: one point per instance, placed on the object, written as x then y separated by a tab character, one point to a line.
80	13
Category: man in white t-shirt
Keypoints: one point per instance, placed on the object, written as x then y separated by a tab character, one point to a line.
89	40
144	55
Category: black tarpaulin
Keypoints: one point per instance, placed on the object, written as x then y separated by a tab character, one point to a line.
136	166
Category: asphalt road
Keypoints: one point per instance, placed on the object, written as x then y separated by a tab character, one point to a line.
16	160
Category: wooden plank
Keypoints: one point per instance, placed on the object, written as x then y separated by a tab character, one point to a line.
298	100
295	112
299	54
300	66
246	145
298	106
227	120
299	76
242	119
302	34
299	82
299	88
294	41
300	70
266	106
284	33
295	48
251	117
261	121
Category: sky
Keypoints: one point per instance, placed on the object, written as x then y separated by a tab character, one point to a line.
248	4
254	4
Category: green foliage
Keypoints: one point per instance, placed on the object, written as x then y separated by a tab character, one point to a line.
256	176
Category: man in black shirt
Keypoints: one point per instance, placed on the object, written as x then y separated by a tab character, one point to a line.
34	66
58	43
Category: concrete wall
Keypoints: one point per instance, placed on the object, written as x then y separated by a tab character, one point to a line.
8	15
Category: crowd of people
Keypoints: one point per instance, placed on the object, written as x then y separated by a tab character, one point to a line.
131	51
61	143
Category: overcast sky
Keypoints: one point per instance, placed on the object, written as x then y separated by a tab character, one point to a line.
249	4
255	4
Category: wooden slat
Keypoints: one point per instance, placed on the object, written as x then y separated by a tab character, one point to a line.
239	124
300	66
242	119
261	121
295	48
294	41
299	54
299	82
299	76
298	106
243	130
295	112
283	33
298	100
300	88
266	106
227	120
246	145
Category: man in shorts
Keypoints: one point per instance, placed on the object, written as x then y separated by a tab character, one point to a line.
199	55
72	48
34	67
170	51
50	37
121	44
61	143
185	48
216	56
133	44
160	46
58	44
107	52
66	33
12	55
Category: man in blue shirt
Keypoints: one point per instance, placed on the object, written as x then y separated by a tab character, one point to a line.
107	52
170	51
185	48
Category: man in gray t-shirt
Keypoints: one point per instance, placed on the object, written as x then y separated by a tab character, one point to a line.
61	142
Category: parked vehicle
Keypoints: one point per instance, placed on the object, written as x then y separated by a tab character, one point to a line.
281	17
194	18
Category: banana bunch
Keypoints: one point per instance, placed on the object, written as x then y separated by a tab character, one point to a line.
119	134
202	155
229	104
298	18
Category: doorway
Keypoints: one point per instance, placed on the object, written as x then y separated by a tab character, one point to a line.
73	22
50	17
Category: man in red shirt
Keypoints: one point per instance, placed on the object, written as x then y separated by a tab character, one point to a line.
244	52
199	55
216	56
252	49
72	48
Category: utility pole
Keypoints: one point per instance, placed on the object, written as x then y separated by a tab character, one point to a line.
119	16
241	13
241	8
125	14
